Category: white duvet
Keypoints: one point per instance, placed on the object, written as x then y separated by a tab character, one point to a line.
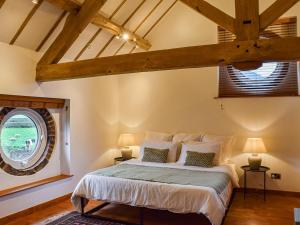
172	197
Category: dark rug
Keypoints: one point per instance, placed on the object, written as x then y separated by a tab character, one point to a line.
74	218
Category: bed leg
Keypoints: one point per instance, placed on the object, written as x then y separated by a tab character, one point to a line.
82	205
141	216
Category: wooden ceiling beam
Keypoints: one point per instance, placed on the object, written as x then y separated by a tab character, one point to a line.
156	23
247	19
66	5
140	24
262	50
52	29
247	27
276	10
89	43
75	24
117	30
214	14
123	24
1	3
103	22
25	22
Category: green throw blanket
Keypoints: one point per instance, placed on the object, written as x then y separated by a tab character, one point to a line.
216	180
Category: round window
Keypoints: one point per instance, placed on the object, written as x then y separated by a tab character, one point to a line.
19	135
25	139
265	71
263	80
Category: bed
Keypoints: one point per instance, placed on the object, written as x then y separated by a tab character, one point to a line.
162	186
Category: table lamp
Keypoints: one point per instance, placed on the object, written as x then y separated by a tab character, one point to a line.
254	146
125	141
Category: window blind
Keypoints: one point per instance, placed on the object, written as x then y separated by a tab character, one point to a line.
272	79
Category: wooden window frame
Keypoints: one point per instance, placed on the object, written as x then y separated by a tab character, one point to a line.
31	102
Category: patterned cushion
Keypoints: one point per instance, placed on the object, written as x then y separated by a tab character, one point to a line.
199	159
155	155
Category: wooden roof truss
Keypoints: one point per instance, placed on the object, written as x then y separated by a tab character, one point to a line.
73	7
248	51
1	3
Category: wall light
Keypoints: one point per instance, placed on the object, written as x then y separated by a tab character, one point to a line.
35	2
125	36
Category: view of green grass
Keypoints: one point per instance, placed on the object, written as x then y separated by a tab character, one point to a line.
13	139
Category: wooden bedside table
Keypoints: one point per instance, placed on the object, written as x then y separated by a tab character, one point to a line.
262	169
121	159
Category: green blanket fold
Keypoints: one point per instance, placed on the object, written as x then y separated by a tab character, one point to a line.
216	180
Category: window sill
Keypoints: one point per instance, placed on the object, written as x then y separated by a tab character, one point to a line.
28	186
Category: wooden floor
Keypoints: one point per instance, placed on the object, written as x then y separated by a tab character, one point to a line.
277	210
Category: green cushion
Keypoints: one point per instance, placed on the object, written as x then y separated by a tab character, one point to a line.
155	155
199	159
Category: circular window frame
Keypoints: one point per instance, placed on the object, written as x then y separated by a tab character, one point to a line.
41	140
45	125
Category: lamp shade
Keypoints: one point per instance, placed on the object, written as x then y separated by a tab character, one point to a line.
255	145
126	140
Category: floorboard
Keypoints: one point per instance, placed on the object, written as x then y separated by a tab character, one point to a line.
277	210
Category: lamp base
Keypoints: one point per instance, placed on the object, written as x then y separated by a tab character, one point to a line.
254	162
126	153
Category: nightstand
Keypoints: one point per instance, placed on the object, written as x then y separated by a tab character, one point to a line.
262	169
121	159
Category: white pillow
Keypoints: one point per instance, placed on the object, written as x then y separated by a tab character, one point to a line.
160	145
208	147
226	144
158	136
184	137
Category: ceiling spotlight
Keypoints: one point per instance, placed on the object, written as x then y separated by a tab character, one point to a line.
125	36
118	36
35	1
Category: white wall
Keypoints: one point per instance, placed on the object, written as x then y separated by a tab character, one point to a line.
183	100
94	125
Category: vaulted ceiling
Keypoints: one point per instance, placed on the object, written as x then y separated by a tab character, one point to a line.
100	35
35	24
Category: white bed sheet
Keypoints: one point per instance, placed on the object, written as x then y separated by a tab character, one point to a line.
172	197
